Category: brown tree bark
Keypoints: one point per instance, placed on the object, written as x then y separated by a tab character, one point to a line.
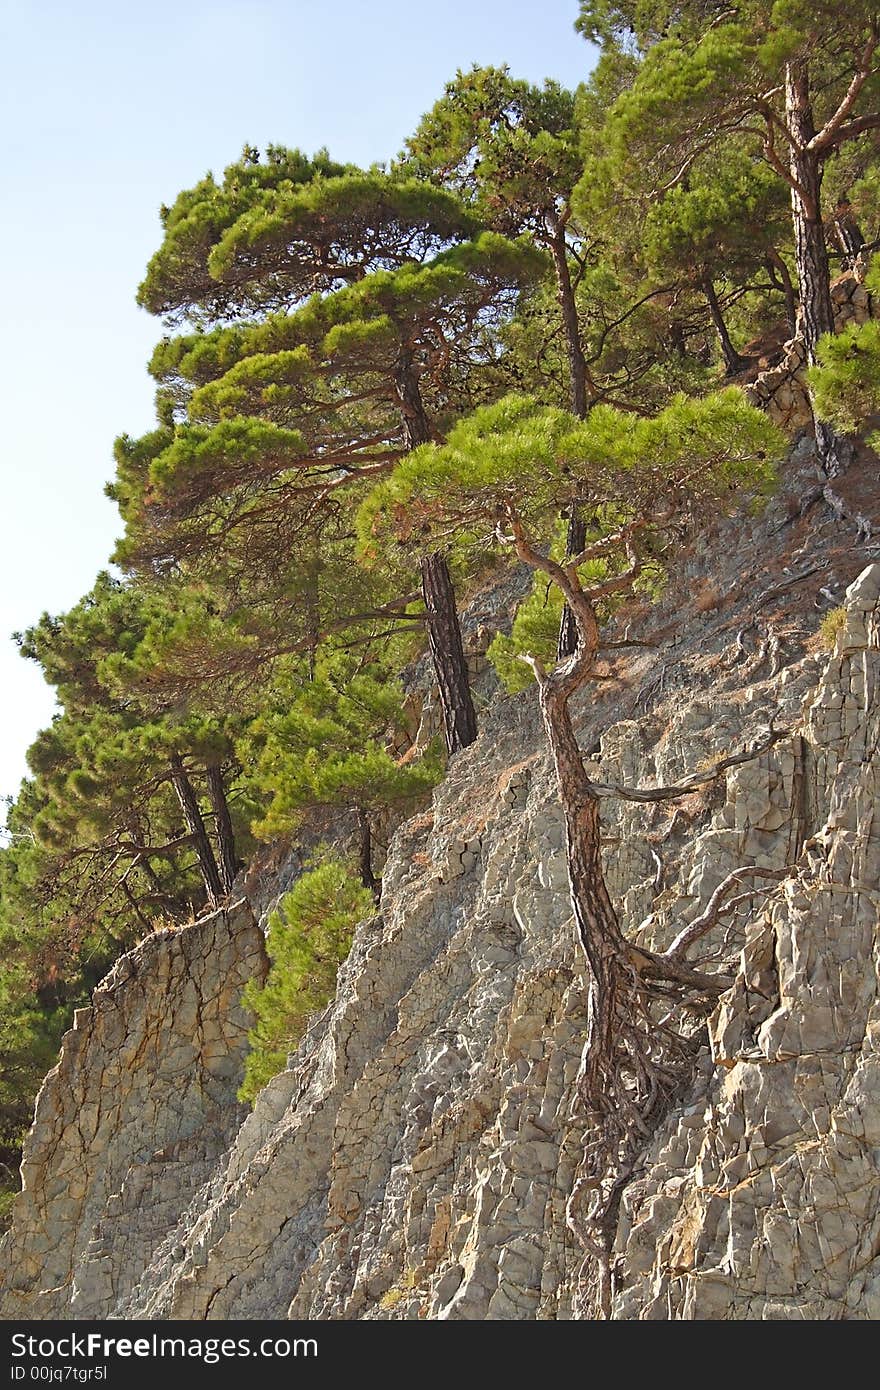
575	541
811	253
196	826
444	630
577	386
365	853
776	266
571	332
447	653
229	863
632	1065
733	363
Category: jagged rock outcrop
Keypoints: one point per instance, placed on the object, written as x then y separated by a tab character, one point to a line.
415	1158
762	1200
132	1119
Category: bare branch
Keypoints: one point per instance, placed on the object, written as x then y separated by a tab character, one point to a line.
698	779
717	907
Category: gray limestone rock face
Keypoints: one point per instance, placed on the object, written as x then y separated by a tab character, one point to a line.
415	1158
132	1119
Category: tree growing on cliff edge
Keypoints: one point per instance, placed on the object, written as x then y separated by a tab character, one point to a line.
793	82
233	255
510	150
113	777
502	473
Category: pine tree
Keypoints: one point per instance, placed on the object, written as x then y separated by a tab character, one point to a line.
288	414
504	473
323	744
512	151
113	777
846	378
794	82
308	939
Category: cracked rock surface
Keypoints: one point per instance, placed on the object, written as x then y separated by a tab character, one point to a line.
415	1157
132	1119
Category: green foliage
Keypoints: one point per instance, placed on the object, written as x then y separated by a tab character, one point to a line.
331	318
509	149
724	219
846	380
324	744
535	630
541	460
309	937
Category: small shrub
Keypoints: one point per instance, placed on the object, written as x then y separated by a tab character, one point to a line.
309	937
833	623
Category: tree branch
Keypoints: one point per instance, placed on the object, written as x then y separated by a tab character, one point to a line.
717	907
698	779
825	138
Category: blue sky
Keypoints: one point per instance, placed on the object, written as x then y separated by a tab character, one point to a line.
107	110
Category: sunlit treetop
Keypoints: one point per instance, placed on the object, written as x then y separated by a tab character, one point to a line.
508	148
271	234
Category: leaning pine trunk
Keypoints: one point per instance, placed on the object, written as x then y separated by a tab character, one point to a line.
575	540
444	631
196	826
776	264
223	821
571	333
365	853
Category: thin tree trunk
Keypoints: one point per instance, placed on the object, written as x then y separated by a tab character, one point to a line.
135	907
811	253
444	631
365	853
575	541
447	652
229	864
631	1067
571	332
733	363
777	263
196	826
312	610
577	384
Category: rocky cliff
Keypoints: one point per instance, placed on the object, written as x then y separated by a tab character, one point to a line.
415	1158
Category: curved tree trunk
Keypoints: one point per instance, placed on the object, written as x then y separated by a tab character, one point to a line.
229	864
776	266
444	630
196	826
632	1065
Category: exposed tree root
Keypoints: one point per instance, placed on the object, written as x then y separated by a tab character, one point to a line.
647	1010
